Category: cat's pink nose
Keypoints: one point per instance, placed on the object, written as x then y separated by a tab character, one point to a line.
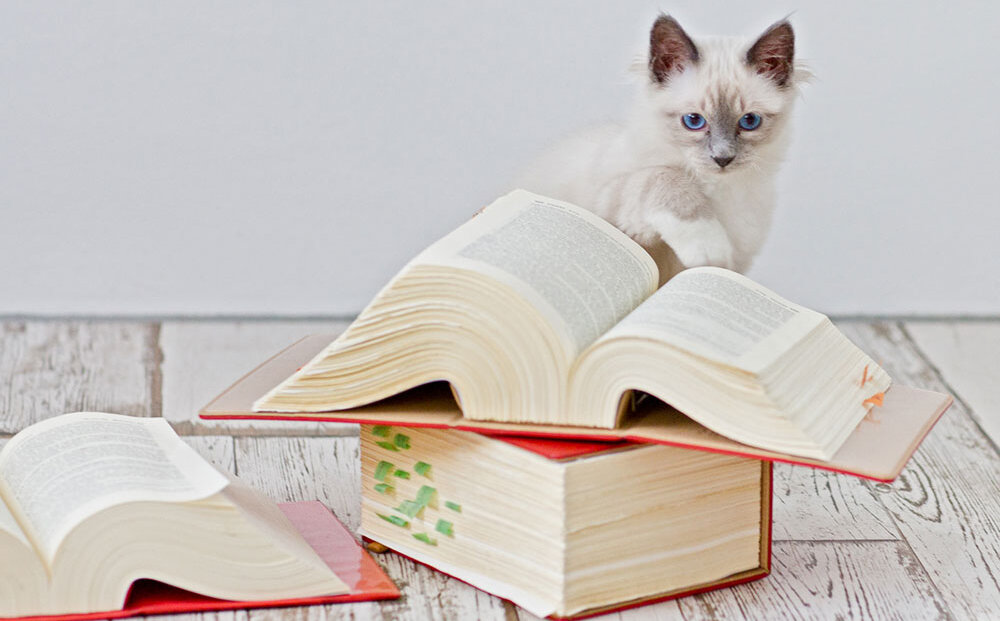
723	161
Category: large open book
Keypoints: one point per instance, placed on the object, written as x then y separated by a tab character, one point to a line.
877	449
91	503
566	528
537	311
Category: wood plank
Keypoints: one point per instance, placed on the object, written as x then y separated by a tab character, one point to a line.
327	469
819	505
829	580
223	615
966	355
947	501
49	368
663	611
220	451
290	469
202	358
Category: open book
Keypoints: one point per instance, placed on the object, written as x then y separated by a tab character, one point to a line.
566	528
537	311
90	503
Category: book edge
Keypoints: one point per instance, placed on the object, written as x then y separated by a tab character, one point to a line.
742	577
881	476
748	575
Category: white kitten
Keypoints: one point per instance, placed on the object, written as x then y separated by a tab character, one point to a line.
690	174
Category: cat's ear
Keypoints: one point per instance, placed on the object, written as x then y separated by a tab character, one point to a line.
772	55
670	49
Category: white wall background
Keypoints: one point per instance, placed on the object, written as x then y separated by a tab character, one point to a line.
251	158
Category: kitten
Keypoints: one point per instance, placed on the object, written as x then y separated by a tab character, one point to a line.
690	174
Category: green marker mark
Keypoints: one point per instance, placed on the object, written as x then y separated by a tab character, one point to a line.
422	468
454	506
444	527
382	470
425	495
402	441
384	488
409	508
389	446
425	538
402	474
394	519
381	431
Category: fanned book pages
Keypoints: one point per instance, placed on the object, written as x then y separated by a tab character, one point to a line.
93	507
877	449
537	311
564	528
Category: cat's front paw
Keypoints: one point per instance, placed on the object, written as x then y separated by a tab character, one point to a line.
702	242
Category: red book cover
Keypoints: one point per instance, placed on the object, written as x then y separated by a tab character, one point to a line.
320	528
559	449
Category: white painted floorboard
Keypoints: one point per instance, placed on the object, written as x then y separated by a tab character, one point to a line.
925	547
967	354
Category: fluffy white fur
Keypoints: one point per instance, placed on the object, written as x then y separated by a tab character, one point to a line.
656	180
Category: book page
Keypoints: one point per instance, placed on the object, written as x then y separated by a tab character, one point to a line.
268	519
57	473
722	316
8	524
580	271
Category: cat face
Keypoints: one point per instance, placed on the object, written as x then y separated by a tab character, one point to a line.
723	103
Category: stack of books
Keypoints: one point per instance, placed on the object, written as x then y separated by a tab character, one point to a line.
513	382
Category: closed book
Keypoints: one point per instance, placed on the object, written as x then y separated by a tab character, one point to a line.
562	528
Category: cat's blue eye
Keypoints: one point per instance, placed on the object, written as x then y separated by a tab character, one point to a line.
693	121
750	121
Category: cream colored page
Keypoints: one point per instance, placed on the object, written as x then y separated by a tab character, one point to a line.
60	471
8	524
583	273
720	315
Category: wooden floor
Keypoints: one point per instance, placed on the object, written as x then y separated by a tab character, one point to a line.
925	547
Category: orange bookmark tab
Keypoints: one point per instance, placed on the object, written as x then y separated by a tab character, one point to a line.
875	400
